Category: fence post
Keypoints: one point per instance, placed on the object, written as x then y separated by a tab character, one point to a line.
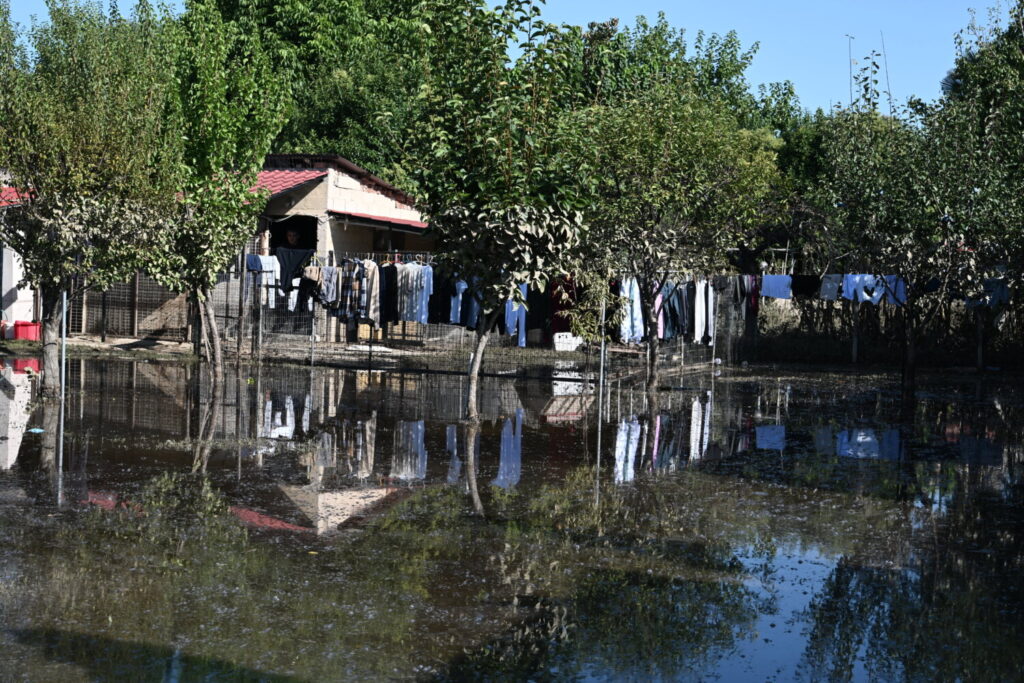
600	400
135	305
257	327
312	334
242	274
103	317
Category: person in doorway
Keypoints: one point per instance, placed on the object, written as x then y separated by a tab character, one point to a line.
292	258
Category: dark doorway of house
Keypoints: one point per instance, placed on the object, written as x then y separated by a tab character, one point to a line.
304	226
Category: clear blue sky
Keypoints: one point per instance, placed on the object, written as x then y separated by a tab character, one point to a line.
803	41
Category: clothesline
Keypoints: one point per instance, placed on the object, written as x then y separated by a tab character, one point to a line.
391	287
864	288
422	257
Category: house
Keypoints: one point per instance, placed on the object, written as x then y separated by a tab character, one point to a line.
15	303
337	208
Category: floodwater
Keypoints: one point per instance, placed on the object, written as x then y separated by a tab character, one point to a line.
762	526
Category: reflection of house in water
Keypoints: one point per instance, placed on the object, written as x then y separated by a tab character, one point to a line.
317	444
15	396
571	398
410	457
331	510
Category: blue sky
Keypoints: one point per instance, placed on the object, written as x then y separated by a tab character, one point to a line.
803	41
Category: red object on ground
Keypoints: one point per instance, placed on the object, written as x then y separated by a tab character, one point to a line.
253	518
26	330
107	501
23	365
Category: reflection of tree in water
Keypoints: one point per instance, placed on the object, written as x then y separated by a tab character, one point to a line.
630	623
171	565
616	588
952	612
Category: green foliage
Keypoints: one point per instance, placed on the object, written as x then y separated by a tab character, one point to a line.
911	195
228	107
498	197
353	67
86	139
608	65
677	181
986	110
177	517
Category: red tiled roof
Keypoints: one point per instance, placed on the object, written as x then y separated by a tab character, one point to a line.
279	180
383	219
9	196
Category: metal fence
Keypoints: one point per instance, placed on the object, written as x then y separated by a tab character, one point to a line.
141	308
254	323
264	328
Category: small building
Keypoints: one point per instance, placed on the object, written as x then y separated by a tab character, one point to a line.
16	303
337	208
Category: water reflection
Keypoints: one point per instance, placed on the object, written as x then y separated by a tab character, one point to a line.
511	453
16	391
750	527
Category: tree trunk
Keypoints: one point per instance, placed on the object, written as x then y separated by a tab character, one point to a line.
653	373
51	427
198	324
217	359
472	436
208	428
51	342
483	334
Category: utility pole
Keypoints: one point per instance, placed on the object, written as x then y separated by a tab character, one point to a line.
849	56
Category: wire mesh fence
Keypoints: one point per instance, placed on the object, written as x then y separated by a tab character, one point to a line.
256	320
272	325
138	308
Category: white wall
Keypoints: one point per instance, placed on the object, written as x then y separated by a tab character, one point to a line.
347	195
17	304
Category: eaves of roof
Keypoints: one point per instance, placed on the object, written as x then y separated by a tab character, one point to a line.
403	224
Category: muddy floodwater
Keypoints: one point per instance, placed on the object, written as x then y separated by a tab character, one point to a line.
762	525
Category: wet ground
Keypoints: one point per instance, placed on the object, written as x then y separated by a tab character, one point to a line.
762	525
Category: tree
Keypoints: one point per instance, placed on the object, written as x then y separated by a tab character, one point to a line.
987	100
914	197
499	198
355	67
229	106
679	183
82	117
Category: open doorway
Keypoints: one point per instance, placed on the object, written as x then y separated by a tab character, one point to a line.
303	229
